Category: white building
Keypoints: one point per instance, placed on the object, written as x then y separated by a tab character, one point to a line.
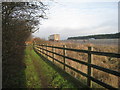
54	37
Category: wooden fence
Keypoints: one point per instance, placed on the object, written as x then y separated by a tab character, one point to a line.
90	66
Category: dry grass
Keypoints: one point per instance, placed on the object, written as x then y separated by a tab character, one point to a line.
107	62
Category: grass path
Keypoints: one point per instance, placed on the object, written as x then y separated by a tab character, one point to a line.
32	78
40	75
38	67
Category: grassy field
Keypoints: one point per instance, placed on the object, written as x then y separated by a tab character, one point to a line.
40	75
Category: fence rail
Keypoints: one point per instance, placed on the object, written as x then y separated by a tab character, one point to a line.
42	49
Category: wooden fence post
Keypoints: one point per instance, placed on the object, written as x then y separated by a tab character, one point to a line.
33	44
90	70
46	51
64	53
40	49
53	53
43	49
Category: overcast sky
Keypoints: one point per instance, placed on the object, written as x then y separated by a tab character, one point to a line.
71	18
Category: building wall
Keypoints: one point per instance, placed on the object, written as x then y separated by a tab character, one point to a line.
54	37
57	37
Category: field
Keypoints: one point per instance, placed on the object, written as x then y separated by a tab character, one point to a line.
114	42
107	62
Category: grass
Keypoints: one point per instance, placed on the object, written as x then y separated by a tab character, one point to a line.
40	75
32	78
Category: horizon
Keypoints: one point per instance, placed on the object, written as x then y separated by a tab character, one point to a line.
97	34
72	19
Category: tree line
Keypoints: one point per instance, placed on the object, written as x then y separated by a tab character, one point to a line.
101	36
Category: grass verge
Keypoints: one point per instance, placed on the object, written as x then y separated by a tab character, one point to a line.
40	75
32	78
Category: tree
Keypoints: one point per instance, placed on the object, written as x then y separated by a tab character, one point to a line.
20	17
19	20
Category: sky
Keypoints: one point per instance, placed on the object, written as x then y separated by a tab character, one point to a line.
71	18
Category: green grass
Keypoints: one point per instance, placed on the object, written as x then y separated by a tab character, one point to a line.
32	78
53	78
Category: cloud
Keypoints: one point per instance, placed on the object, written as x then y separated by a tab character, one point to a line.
86	1
75	19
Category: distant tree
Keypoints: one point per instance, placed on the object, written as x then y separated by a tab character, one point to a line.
100	36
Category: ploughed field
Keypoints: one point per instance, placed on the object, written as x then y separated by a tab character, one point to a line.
105	45
97	41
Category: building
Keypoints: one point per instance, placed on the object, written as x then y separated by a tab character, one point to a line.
54	37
